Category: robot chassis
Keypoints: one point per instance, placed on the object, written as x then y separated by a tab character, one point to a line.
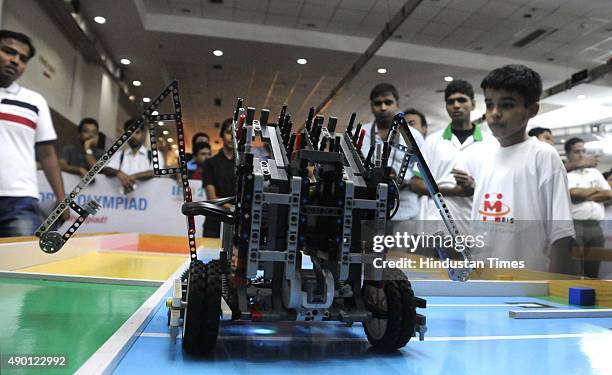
316	195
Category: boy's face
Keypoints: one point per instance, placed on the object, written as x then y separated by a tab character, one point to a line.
577	152
507	115
459	106
202	155
415	122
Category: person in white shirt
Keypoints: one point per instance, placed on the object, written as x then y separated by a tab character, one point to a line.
26	129
134	162
385	105
545	135
454	155
417	120
521	198
542	134
589	192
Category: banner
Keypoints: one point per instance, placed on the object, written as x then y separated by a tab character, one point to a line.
154	207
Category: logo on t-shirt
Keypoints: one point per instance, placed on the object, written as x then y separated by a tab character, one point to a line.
496	209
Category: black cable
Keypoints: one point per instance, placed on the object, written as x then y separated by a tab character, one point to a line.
397	200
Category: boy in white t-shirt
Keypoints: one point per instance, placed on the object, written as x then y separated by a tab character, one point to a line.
521	198
454	155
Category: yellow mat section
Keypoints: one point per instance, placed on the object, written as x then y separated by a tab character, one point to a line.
115	264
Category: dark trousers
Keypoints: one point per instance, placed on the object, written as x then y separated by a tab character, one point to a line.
588	235
19	216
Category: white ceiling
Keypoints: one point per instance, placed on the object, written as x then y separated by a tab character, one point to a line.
262	39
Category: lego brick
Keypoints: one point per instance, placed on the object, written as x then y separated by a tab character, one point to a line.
581	296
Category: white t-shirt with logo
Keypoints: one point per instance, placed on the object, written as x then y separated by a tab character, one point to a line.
24	121
522	204
587	178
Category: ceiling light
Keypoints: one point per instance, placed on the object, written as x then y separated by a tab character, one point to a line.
146	100
170	140
581	96
382	70
132	97
125	61
99	19
160	123
448	79
302	61
165	132
154	113
136	83
218	52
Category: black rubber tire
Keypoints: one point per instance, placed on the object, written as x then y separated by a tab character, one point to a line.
202	314
408	308
400	315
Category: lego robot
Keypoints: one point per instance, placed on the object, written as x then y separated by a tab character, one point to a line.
315	199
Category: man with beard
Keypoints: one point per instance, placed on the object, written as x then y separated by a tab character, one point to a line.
134	162
26	129
384	102
455	153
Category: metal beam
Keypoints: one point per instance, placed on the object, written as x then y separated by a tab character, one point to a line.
582	76
382	37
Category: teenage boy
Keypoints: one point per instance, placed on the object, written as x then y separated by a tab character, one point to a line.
384	102
454	154
201	153
521	198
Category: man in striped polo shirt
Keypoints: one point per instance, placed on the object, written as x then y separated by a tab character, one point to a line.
26	130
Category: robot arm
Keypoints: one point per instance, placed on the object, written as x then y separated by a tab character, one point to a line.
413	152
51	241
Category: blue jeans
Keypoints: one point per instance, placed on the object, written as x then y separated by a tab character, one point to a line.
19	216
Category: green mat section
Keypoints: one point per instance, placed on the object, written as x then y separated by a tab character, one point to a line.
53	317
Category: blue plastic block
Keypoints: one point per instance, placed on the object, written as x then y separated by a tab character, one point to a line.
582	296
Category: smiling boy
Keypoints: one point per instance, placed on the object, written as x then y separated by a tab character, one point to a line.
521	197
